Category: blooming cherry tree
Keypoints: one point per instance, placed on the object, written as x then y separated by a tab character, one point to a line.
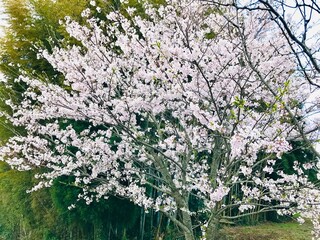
298	21
185	100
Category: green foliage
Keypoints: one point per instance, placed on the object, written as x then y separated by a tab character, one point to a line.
97	219
300	154
14	203
44	214
239	102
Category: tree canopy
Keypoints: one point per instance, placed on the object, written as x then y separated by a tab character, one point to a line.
183	101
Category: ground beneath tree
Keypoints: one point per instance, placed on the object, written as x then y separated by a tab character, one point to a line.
270	231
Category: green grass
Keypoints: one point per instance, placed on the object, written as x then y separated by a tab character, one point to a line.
270	231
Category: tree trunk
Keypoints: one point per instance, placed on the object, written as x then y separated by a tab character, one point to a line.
212	232
142	223
189	236
188	223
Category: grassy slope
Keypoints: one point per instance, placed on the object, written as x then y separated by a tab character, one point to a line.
270	231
